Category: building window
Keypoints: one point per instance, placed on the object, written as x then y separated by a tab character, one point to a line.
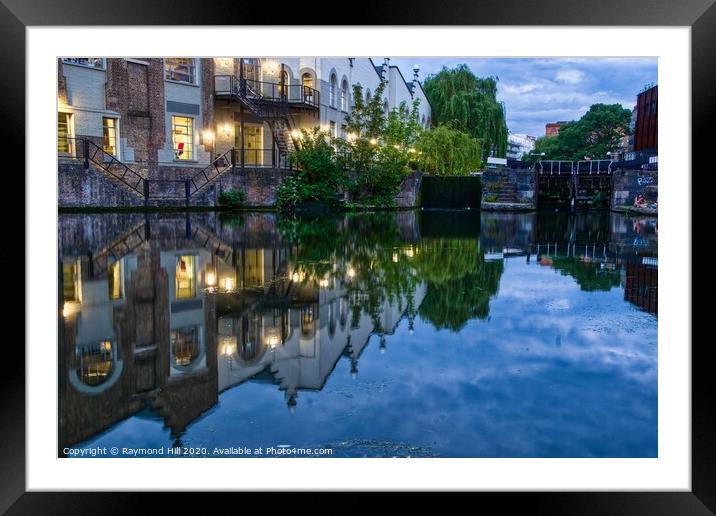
333	90
344	96
185	284
344	131
95	363
332	127
367	97
69	282
283	84
89	62
386	110
183	137
307	82
114	276
109	135
64	133
180	69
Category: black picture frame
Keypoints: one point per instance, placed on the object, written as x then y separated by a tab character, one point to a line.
700	15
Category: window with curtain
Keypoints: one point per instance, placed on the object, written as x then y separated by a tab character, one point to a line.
334	85
180	69
64	133
109	135
185	284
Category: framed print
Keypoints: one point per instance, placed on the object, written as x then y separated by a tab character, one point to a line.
430	266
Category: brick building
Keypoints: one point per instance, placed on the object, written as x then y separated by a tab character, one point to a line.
646	128
552	129
171	118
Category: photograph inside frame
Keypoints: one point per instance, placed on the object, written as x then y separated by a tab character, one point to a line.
357	257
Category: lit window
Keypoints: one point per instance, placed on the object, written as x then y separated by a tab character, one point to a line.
69	282
109	135
64	133
94	363
185	285
283	84
184	345
180	69
332	126
114	276
90	62
182	137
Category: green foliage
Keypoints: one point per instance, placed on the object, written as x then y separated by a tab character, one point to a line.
232	197
318	174
599	131
490	197
470	103
380	147
448	152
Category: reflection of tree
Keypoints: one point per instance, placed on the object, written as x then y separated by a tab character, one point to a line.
589	275
460	281
368	258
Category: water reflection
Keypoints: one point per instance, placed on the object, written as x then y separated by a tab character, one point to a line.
160	315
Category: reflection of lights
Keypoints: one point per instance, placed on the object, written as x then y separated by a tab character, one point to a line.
409	252
228	284
228	346
208	137
295	277
373	141
106	346
210	279
226	129
323	283
295	134
351	136
272	338
69	309
395	257
351	272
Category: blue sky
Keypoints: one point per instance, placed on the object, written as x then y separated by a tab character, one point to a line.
541	90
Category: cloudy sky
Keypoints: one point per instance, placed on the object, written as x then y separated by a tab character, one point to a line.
541	90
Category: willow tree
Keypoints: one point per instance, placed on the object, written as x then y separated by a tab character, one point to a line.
457	96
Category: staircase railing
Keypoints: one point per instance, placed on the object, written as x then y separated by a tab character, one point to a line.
212	171
295	94
91	152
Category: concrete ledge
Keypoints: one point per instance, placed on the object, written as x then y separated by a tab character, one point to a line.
507	206
634	210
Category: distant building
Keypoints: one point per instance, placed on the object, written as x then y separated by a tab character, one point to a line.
519	144
552	129
646	127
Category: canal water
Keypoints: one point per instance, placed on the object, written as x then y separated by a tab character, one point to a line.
408	334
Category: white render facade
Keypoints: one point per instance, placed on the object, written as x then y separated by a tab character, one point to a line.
519	144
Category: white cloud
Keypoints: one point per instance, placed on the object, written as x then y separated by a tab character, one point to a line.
570	76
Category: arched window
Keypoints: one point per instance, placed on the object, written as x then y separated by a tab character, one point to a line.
283	84
367	97
385	108
344	95
307	83
95	363
334	85
423	122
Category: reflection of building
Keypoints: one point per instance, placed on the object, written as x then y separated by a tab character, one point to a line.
641	283
296	339
135	336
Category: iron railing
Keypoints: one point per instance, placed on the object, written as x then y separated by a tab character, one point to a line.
87	150
291	94
212	171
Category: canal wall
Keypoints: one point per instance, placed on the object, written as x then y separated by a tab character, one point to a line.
509	189
93	188
628	184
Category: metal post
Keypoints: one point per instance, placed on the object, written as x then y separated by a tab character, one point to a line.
85	149
146	192
242	136
233	157
187	190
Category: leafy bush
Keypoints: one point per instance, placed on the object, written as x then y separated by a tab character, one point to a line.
232	197
490	197
318	174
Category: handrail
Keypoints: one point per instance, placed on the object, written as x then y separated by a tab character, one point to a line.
104	160
267	91
216	168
